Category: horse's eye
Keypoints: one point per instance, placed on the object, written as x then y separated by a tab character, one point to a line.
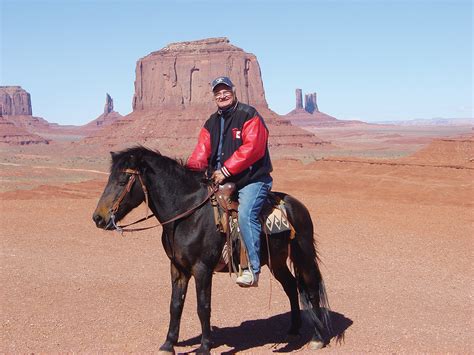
123	180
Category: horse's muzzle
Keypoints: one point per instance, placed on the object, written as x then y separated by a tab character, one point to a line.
100	222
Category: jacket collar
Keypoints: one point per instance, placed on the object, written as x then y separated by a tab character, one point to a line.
228	111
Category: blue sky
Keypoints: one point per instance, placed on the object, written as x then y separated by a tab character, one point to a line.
370	59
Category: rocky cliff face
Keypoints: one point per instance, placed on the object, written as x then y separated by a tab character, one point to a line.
179	75
10	134
14	101
173	99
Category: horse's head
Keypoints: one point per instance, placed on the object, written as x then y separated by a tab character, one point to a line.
125	189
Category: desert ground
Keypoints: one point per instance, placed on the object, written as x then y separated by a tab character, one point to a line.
393	214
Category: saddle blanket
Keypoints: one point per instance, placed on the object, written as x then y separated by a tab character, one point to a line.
276	221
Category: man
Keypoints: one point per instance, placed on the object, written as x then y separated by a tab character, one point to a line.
232	145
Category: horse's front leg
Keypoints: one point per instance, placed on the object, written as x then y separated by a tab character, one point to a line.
203	277
179	283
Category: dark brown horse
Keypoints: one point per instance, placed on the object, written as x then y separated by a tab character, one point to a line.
194	244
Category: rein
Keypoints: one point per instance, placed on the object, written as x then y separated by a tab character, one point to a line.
116	205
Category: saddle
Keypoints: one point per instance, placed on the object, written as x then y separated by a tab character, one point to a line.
273	218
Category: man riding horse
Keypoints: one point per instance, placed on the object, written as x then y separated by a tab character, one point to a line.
232	146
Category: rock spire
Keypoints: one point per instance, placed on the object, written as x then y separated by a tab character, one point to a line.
310	103
109	104
299	99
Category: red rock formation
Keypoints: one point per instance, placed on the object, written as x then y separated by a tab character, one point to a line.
16	108
172	99
310	114
14	101
179	75
28	129
109	104
310	103
299	99
30	123
10	134
107	118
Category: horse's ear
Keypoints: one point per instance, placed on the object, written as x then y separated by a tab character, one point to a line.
133	160
113	154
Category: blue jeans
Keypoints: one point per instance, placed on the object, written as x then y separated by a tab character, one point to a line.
251	200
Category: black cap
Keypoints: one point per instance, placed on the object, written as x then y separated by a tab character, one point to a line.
221	80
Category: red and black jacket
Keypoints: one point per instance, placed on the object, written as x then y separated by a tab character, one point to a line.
245	155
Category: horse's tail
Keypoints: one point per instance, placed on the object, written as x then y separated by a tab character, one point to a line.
311	285
305	260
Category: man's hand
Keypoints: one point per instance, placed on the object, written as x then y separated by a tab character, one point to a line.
218	177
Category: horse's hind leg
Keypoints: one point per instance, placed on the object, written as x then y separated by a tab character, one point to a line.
179	284
287	280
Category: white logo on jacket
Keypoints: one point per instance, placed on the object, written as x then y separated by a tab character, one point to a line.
236	134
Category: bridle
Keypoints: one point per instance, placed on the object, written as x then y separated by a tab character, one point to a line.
131	180
134	173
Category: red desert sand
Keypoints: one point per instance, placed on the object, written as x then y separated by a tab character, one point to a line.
394	236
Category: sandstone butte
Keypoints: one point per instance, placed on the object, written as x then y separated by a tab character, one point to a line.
172	100
14	101
17	123
19	127
310	115
15	106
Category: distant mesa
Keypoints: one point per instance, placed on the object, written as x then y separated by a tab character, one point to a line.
15	105
438	121
173	98
18	126
179	75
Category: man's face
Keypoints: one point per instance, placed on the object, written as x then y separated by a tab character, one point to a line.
223	95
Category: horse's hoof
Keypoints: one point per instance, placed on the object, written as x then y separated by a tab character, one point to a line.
166	352
316	344
292	338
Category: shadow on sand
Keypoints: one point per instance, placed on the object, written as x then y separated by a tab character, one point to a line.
270	332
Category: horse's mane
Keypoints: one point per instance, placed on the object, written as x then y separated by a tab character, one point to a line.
139	155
